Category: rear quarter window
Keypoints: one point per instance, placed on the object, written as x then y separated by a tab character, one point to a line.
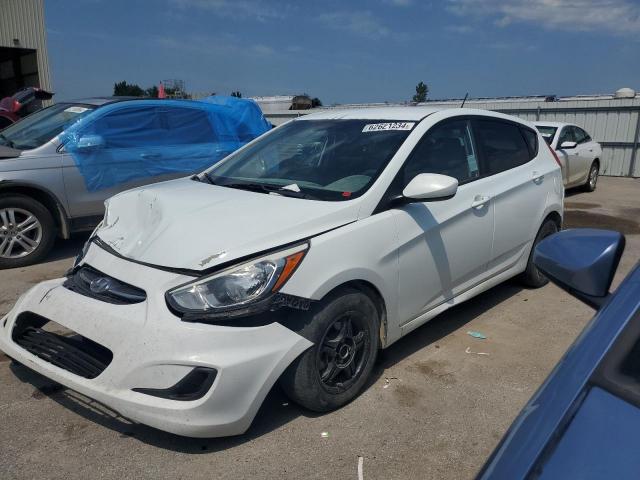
502	144
531	138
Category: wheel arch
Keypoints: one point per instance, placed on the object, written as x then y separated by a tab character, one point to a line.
555	217
45	197
375	295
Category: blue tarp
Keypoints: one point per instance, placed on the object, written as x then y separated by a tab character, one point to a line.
137	139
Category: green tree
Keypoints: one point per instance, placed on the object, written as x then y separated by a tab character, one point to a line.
151	92
124	89
315	102
236	94
422	90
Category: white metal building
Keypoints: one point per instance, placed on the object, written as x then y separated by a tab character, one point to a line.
612	120
23	46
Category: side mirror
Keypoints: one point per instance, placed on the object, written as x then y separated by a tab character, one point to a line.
431	186
581	261
90	142
568	145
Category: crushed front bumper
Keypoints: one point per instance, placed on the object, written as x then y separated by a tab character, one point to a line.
154	349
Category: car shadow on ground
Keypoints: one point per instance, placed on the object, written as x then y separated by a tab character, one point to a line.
276	410
67	248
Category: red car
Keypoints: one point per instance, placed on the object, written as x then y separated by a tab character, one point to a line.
21	104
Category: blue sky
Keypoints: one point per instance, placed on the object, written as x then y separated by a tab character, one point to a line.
347	51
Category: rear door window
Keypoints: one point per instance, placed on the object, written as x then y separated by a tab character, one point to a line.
531	138
502	145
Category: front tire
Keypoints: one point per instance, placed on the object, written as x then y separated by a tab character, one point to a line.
27	231
532	277
592	179
344	329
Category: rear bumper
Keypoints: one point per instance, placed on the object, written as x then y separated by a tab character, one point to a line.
154	349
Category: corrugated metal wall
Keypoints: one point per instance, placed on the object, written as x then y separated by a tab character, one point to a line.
615	123
612	122
24	20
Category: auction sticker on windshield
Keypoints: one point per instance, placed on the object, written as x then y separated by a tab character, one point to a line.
379	127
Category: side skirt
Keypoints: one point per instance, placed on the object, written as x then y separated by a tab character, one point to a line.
472	292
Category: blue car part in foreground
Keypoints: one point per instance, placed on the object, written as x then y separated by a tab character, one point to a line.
584	420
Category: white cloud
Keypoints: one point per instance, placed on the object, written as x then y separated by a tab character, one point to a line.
364	23
614	16
261	49
459	29
252	9
212	45
399	3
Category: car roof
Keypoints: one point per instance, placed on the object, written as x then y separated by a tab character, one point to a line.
99	101
408	113
386	113
551	124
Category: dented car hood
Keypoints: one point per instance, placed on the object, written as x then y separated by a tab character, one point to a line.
191	225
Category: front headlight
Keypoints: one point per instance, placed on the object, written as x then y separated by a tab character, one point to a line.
238	286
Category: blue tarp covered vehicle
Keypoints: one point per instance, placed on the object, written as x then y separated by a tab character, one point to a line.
137	139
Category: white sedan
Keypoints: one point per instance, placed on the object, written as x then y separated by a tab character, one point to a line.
297	258
578	153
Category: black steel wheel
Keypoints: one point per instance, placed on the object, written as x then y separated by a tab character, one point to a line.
343	352
344	328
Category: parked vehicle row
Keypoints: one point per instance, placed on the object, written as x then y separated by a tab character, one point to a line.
296	258
21	104
59	165
580	156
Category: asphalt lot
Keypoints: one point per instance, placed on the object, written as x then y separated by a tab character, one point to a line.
432	411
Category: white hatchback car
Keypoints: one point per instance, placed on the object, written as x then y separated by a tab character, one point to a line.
295	259
578	153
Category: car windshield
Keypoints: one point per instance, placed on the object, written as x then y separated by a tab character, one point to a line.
330	160
40	127
547	132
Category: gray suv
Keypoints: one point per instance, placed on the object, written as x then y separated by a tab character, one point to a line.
44	191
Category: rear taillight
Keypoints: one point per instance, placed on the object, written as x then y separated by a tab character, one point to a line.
555	155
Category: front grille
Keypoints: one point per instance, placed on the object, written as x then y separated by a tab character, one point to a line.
69	350
92	283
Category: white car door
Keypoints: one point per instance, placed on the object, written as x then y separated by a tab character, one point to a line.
444	245
519	183
570	156
585	154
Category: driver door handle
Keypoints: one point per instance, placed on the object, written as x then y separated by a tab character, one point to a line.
150	155
480	201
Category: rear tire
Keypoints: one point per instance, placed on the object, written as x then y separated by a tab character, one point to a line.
592	179
27	231
344	329
532	277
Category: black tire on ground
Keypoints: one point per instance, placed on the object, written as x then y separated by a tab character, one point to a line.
344	328
532	277
592	179
49	229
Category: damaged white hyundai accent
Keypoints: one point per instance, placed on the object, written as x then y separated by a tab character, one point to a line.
295	259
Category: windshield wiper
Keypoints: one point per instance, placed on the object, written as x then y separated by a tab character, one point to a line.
266	188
